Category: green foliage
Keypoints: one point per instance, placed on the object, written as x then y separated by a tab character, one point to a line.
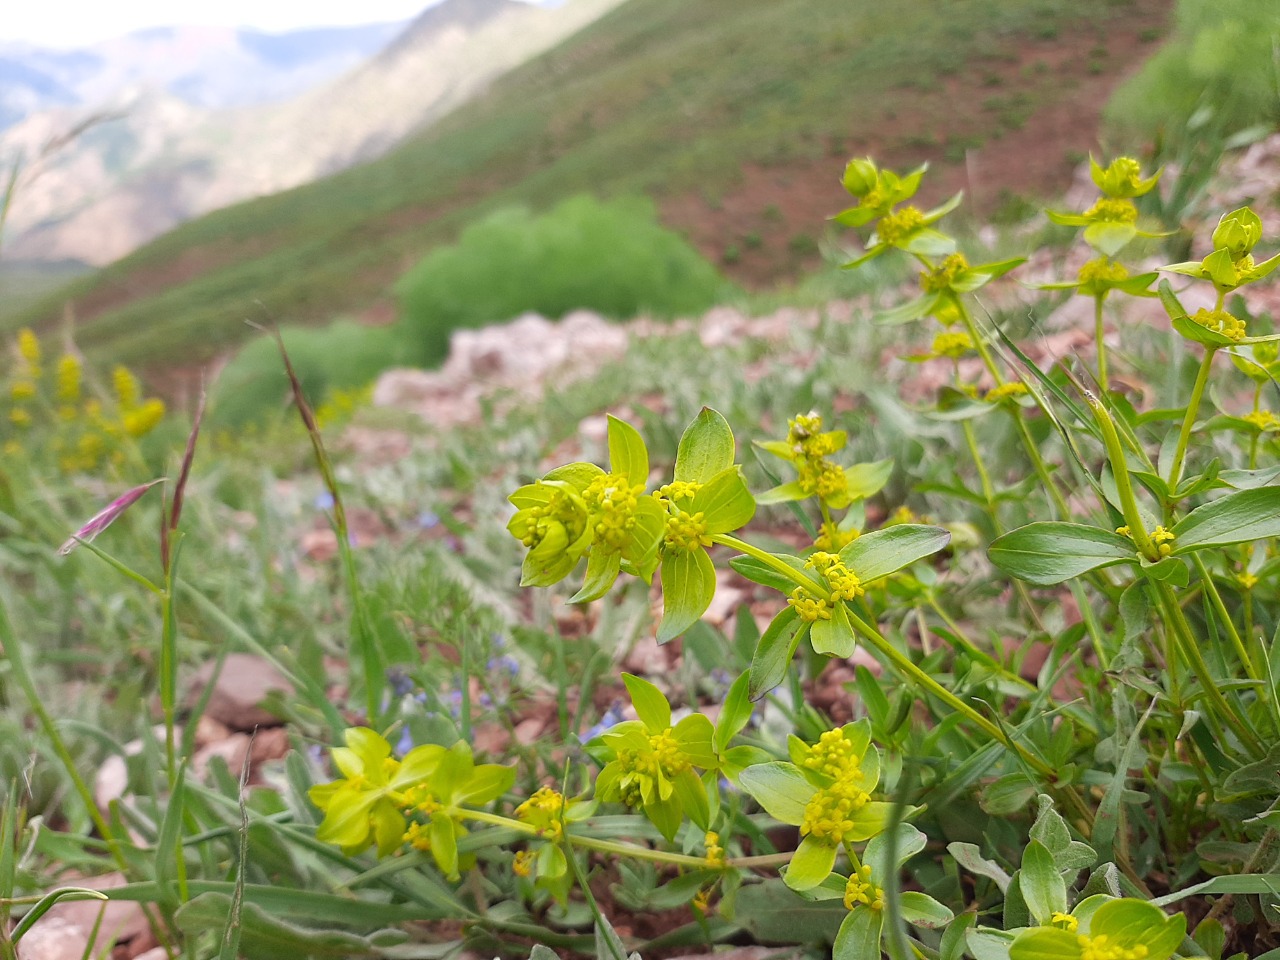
1221	60
1084	772
612	257
342	356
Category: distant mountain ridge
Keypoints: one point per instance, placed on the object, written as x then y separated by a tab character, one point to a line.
166	159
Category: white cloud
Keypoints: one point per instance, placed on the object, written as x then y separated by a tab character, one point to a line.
76	23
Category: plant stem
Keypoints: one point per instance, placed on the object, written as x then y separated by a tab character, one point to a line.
1223	615
769	560
622	849
1190	649
1124	487
910	671
1193	408
1103	381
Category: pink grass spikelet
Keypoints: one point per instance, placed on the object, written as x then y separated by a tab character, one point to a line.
104	518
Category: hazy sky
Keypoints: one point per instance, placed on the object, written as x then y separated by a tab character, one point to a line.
73	23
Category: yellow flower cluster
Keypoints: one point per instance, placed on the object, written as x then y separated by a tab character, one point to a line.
898	224
953	344
832	539
1100	948
687	532
1113	210
808	607
845	584
944	274
1006	392
83	433
544	810
1102	269
612	499
1221	322
715	852
860	891
1161	537
829	813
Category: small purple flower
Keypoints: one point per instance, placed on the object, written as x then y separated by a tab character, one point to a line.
484	700
455	703
324	500
505	664
400	682
427	519
405	743
612	717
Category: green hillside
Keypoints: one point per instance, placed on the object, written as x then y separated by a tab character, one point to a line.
734	114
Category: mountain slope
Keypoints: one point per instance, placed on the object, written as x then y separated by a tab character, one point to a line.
697	103
164	161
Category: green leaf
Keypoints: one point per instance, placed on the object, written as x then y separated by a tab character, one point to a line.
268	937
1042	885
1109	237
781	789
810	864
651	706
688	587
834	637
970	857
1045	943
921	910
785	493
706	447
772	913
444	844
603	568
885	551
1050	552
628	455
868	479
773	653
725	502
45	903
1129	923
762	573
859	936
735	713
1239	517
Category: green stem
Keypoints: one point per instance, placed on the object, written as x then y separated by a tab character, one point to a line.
769	560
622	849
962	642
979	343
1193	408
1103	380
1042	470
1225	617
988	491
1189	648
1124	487
18	667
910	671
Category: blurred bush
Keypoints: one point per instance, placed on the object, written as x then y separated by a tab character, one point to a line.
340	357
612	257
1221	59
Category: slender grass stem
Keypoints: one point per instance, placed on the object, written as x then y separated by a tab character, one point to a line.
1190	649
1215	598
1099	332
1193	408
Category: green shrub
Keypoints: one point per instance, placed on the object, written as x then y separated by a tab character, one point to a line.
1221	57
345	355
611	257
